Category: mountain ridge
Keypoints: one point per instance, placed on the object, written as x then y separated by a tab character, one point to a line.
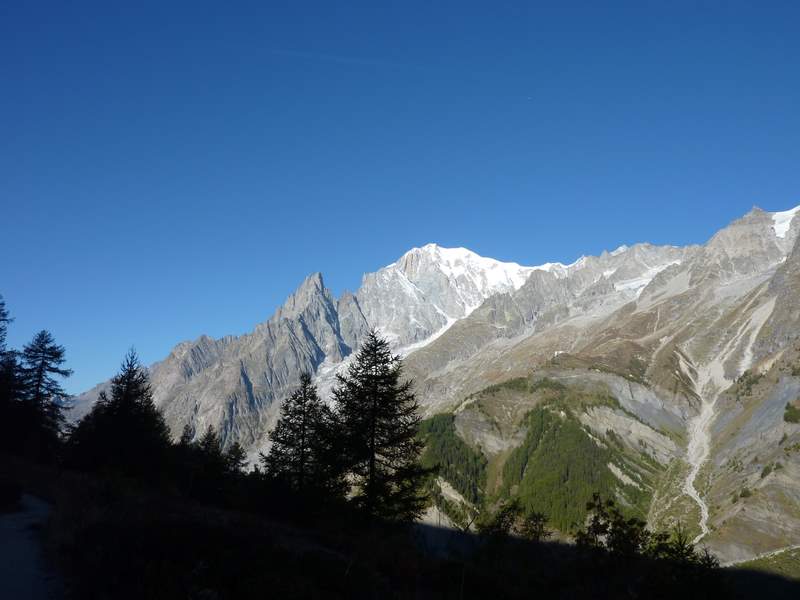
666	331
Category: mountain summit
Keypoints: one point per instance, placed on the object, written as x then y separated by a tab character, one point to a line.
693	351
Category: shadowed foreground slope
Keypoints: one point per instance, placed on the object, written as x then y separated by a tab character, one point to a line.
113	540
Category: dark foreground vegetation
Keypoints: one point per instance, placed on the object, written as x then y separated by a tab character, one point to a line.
329	513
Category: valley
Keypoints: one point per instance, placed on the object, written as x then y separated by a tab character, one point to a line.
610	374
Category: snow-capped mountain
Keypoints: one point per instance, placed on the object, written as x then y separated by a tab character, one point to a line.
430	288
668	332
236	383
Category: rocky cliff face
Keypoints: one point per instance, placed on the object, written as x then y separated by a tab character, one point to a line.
687	356
236	383
709	340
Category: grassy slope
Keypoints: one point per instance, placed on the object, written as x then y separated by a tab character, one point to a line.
457	463
786	564
558	466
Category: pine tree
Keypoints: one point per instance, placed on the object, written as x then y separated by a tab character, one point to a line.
379	419
44	397
124	431
4	321
210	481
9	369
14	426
210	444
301	454
235	459
11	385
187	436
16	422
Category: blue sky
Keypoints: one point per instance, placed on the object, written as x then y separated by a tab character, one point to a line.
172	171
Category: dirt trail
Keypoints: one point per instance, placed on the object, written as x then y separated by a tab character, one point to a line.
23	571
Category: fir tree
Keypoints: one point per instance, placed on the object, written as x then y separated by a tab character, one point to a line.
14	427
379	419
16	422
235	459
210	480
10	383
302	454
187	436
124	431
44	397
4	321
210	444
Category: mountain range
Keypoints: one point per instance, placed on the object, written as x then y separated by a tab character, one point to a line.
669	374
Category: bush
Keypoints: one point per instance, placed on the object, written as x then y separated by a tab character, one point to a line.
792	414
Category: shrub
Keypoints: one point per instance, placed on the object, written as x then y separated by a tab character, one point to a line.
791	414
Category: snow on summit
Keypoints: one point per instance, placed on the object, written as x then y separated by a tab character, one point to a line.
487	274
783	220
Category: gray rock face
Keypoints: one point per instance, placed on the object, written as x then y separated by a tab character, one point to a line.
666	330
236	383
748	245
431	287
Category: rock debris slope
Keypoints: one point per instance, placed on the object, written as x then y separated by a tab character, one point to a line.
695	349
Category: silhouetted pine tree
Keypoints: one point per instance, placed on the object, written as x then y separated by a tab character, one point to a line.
4	321
124	431
210	445
608	529
44	398
11	386
235	458
9	370
379	418
204	470
13	429
187	435
301	455
211	478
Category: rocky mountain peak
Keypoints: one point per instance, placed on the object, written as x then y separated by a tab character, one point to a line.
754	243
310	291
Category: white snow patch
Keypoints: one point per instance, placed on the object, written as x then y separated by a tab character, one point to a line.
406	350
638	284
782	221
484	272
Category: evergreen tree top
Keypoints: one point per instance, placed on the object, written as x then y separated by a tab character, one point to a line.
131	383
375	361
44	354
41	364
379	418
5	319
210	443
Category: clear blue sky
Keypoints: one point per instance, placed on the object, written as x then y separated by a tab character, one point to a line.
167	172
